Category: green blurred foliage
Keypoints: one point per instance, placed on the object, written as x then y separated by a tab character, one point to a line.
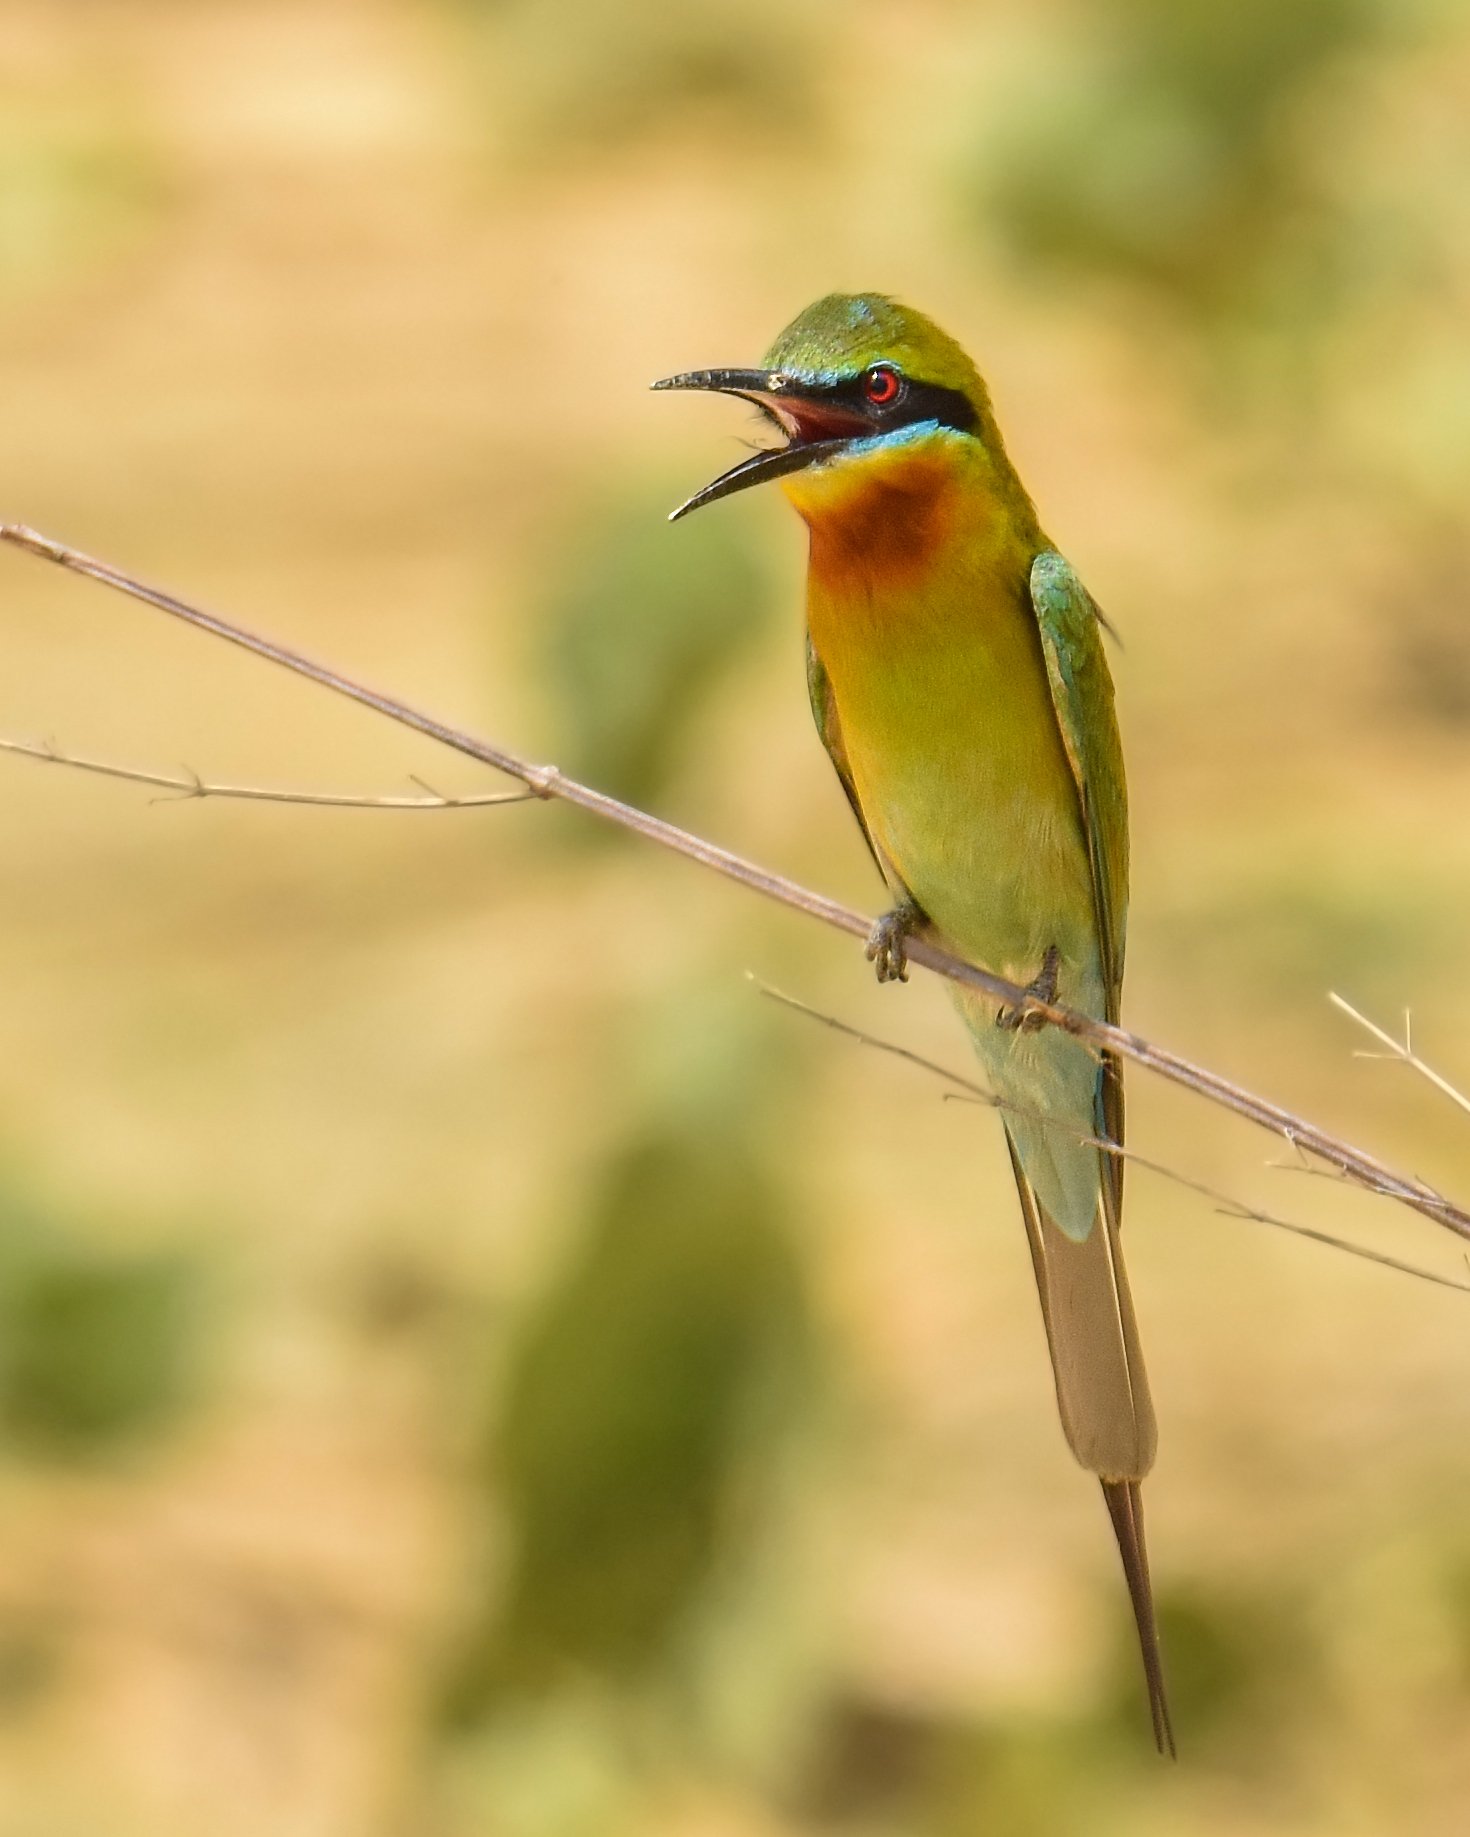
636	629
1425	630
595	74
1312	923
77	185
98	1349
1157	147
1456	1606
1024	1782
646	1396
31	1661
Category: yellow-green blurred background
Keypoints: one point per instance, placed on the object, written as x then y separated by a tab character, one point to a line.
467	1363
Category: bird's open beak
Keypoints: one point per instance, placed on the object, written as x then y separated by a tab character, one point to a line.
816	426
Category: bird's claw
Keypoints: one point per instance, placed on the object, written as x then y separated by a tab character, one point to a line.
887	945
1043	989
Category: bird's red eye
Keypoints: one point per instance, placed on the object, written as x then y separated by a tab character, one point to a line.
881	386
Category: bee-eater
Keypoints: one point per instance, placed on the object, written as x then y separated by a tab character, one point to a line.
957	676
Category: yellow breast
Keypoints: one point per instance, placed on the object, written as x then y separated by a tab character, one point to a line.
918	606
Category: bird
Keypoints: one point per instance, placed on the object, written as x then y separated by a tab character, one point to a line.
959	684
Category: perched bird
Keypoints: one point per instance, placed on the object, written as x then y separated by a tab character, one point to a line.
957	676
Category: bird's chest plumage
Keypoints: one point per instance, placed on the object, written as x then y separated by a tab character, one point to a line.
931	650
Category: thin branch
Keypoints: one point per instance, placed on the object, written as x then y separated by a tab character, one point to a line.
968	1091
1402	1050
894	1050
192	786
1331	1175
547	781
1236	1208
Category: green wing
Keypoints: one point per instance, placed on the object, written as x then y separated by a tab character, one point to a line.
824	713
1082	694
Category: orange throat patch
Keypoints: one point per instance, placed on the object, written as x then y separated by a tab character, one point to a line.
882	517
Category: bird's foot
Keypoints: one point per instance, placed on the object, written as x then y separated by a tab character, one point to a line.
1043	989
887	945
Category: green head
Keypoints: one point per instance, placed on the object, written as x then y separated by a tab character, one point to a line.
854	368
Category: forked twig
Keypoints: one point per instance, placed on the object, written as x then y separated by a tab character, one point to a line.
548	781
1401	1050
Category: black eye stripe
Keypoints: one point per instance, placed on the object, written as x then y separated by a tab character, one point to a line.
914	402
930	402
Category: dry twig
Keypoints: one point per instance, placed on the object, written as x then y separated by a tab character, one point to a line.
547	781
1401	1050
968	1091
193	786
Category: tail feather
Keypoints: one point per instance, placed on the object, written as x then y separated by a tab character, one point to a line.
1125	1508
1102	1389
1092	1336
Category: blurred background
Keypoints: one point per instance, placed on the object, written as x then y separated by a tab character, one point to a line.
468	1363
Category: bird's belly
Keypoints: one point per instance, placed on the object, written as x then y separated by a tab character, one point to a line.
993	857
994	866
